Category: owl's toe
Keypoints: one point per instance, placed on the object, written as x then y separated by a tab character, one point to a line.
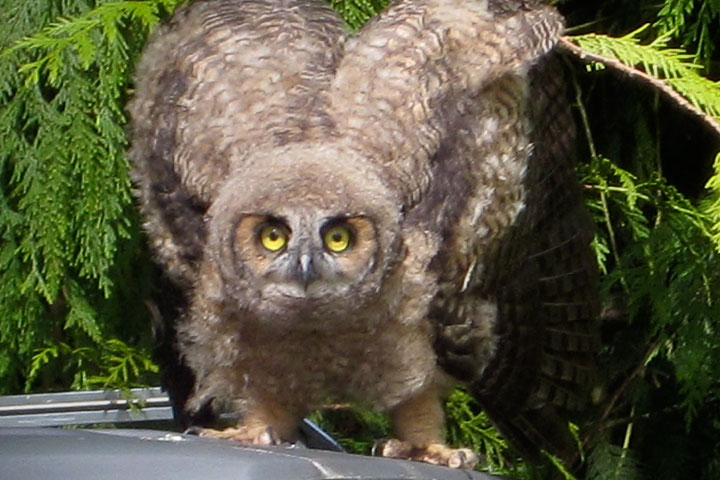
436	453
439	454
393	448
261	435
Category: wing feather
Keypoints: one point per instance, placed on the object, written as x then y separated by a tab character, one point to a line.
543	276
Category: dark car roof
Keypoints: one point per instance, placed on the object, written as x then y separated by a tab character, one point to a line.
80	454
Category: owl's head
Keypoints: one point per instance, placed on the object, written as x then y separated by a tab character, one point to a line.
304	231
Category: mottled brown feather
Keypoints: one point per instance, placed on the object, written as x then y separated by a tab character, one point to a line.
439	134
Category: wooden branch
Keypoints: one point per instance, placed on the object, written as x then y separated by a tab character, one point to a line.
566	43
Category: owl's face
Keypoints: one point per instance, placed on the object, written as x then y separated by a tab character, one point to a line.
307	240
300	256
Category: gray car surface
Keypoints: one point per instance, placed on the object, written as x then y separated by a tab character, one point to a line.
39	453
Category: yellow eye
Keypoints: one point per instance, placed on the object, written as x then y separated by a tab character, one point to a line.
337	239
273	237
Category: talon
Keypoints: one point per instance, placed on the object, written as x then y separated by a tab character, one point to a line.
436	454
393	448
203	432
197	431
266	437
259	435
463	458
377	448
456	460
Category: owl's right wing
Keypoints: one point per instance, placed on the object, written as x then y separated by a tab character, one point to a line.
221	79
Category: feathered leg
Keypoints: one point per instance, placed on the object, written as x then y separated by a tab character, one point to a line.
419	425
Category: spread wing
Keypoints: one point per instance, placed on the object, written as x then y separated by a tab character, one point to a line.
541	277
404	86
463	111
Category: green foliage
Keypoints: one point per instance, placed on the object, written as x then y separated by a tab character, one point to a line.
113	364
665	264
70	235
357	12
357	429
657	246
469	426
74	269
673	65
609	461
712	205
693	22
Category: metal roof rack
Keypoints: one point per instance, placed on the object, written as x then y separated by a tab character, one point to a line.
134	406
84	408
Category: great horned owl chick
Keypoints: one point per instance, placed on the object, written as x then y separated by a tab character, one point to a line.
373	218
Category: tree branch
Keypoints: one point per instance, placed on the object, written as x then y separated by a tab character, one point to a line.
566	43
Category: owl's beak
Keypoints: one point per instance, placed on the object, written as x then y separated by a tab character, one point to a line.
307	271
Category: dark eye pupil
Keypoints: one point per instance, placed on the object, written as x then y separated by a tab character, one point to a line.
337	237
273	235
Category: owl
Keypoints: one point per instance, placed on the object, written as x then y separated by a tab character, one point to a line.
372	218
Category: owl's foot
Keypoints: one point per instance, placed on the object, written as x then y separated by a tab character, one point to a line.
418	425
257	435
264	422
436	453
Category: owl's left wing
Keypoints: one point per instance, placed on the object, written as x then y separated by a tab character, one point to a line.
404	84
460	108
540	276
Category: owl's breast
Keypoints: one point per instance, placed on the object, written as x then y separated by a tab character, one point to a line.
375	366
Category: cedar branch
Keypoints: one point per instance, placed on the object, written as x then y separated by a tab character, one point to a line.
660	85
